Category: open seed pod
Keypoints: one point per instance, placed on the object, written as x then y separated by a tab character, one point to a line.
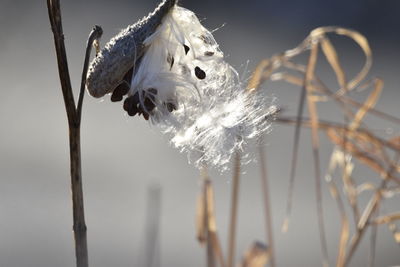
122	53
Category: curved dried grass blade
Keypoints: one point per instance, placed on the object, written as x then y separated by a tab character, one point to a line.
368	104
333	59
258	75
359	39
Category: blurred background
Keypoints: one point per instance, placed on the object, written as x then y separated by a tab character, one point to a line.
123	157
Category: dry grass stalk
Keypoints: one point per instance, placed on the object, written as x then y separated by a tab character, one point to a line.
351	139
339	159
206	223
373	238
234	208
254	84
267	205
311	101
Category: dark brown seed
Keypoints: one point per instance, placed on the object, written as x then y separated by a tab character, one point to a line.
127	103
118	93
199	73
146	116
209	53
187	48
130	106
132	111
136	98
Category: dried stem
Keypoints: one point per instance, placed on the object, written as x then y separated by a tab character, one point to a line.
294	159
94	36
372	249
354	141
372	207
344	235
210	251
267	205
362	225
74	119
315	148
234	208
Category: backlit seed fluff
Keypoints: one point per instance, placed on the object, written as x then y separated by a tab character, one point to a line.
175	75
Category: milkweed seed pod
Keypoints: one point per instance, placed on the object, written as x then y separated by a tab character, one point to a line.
122	52
174	74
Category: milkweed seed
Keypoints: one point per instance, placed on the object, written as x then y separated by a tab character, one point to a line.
118	93
130	106
199	73
187	48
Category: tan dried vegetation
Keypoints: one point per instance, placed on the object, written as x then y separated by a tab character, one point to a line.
354	144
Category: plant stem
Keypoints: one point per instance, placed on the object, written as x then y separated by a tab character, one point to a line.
81	250
207	198
234	208
74	121
267	204
295	152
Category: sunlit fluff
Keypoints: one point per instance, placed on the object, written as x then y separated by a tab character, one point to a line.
196	96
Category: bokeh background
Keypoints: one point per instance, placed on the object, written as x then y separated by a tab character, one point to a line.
123	157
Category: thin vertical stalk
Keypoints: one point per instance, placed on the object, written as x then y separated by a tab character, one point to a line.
234	210
267	204
372	248
295	152
362	225
312	108
209	245
79	226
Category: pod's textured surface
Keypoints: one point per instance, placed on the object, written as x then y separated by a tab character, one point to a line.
122	51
